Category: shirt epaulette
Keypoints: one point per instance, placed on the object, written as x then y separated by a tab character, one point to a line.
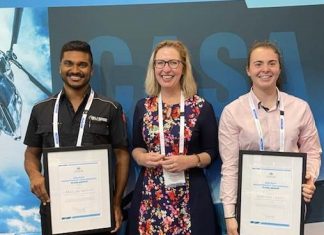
46	100
106	101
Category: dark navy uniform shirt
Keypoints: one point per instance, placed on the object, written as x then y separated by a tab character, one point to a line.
105	123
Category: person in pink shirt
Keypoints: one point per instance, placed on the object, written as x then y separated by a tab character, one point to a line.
238	129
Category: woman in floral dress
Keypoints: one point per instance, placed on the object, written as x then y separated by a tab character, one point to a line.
174	138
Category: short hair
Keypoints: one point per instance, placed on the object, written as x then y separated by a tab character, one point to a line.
77	45
265	44
187	81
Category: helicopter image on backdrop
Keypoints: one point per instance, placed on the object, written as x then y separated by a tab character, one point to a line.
10	99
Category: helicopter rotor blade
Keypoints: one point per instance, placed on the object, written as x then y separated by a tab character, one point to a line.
13	58
16	26
32	78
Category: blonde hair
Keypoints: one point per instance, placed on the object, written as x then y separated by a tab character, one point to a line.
187	81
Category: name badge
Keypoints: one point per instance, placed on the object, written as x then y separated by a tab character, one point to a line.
174	179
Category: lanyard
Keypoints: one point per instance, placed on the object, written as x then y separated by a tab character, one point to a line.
258	125
82	122
160	113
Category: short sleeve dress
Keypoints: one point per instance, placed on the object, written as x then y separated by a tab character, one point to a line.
186	209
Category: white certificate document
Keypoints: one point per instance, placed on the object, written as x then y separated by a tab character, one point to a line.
270	197
79	190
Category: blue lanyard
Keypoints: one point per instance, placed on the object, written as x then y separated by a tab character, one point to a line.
172	179
182	121
82	122
259	128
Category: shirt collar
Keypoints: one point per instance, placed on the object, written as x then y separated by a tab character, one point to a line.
259	104
86	95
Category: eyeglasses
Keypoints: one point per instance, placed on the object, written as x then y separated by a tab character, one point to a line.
173	64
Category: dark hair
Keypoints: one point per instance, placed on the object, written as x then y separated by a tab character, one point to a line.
274	47
77	46
264	44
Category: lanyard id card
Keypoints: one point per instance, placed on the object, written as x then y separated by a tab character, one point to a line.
172	179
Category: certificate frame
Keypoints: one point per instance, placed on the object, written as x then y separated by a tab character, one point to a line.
78	181
270	197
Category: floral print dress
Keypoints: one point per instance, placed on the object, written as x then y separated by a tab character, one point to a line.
165	210
189	209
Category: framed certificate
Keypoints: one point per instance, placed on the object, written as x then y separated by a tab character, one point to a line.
80	190
270	194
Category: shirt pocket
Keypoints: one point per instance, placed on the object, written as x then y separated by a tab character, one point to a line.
96	133
46	131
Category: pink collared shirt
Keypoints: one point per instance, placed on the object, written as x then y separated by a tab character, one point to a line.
237	131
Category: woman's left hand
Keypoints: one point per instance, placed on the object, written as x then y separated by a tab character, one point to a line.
176	163
308	188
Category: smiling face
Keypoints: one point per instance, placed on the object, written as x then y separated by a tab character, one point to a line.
167	77
264	68
75	70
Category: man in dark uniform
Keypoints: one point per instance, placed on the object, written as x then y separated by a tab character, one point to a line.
61	115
